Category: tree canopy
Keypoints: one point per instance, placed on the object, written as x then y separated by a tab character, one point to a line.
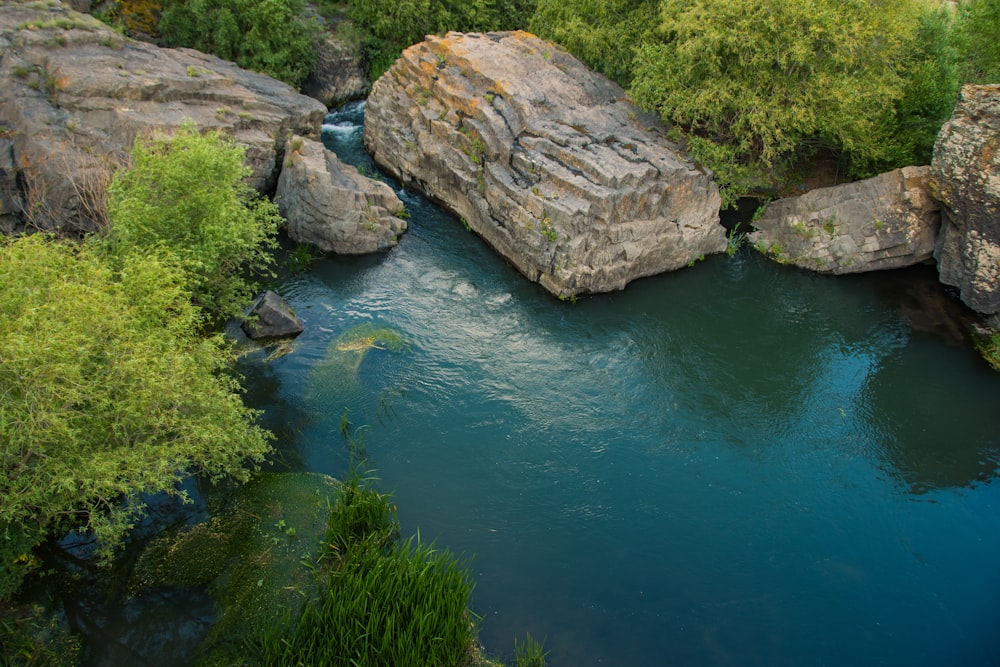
108	392
186	193
268	36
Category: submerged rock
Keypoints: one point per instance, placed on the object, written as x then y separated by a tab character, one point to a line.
76	95
886	222
249	556
271	317
966	172
330	205
544	159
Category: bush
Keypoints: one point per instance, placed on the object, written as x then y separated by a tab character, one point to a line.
772	81
268	36
186	194
107	393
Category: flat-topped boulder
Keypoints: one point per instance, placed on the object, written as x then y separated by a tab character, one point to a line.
546	160
966	171
76	95
331	205
886	222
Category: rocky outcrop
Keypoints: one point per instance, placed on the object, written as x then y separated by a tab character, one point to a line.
966	173
271	317
330	205
338	75
544	159
886	222
76	94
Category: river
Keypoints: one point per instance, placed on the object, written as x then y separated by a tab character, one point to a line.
738	463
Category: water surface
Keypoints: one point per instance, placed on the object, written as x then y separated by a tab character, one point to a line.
734	464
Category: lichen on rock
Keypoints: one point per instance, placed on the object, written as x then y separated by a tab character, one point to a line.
547	161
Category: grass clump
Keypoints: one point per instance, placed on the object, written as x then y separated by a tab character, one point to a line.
381	602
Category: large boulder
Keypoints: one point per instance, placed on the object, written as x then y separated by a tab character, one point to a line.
886	222
332	206
76	95
966	172
544	159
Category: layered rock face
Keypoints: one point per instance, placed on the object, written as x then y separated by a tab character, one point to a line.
886	222
966	173
544	159
76	94
330	205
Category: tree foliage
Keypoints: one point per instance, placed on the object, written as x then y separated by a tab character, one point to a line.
393	25
107	392
979	40
186	193
604	35
763	80
268	36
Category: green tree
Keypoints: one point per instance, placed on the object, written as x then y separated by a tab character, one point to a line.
757	84
107	393
979	40
393	25
603	34
268	36
186	193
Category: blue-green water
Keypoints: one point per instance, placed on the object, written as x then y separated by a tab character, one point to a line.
734	464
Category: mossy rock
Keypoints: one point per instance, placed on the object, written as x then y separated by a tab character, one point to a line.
253	555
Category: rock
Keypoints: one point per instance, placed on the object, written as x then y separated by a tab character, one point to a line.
544	159
338	75
966	177
330	205
11	204
886	222
271	317
76	95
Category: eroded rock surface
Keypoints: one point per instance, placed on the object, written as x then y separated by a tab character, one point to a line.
886	222
330	205
544	159
76	94
966	172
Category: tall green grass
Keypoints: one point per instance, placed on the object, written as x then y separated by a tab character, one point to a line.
382	603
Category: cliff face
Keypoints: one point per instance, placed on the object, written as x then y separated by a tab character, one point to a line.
76	94
966	175
542	158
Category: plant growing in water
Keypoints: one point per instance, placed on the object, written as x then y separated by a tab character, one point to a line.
530	652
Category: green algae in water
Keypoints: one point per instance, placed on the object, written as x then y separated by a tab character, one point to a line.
251	555
334	381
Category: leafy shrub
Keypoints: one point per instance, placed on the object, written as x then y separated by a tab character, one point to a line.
268	36
186	193
770	81
107	393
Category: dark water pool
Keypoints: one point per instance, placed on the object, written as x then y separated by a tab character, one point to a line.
735	464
